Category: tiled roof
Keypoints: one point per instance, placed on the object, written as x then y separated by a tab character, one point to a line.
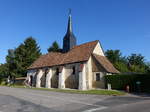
105	63
78	53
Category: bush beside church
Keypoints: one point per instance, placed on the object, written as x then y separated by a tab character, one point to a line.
136	82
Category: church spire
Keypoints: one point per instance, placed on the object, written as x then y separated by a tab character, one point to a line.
69	40
69	29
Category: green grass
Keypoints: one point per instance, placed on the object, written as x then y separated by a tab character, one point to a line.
94	92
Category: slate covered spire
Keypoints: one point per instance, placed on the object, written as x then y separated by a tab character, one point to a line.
69	40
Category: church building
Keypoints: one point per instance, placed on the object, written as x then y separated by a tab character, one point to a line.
80	67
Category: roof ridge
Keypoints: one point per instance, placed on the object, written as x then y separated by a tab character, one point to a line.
85	43
51	53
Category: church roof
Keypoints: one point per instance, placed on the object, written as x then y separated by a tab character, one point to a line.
105	63
78	53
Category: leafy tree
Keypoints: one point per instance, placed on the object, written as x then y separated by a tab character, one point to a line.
117	60
133	63
113	55
137	63
121	66
54	48
148	67
136	59
3	70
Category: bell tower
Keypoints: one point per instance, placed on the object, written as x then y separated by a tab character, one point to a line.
69	40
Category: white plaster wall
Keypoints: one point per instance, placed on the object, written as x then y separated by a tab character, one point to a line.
82	79
89	73
98	50
48	78
54	71
31	73
62	79
102	80
38	79
72	80
69	69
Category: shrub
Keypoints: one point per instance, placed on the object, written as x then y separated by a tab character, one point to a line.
2	81
120	81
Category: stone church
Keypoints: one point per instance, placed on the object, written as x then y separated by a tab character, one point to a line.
80	67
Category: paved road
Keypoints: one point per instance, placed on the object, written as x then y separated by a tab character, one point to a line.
27	100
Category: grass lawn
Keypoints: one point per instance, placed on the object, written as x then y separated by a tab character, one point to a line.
95	92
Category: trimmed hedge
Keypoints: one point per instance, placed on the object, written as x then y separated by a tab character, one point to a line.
2	80
120	81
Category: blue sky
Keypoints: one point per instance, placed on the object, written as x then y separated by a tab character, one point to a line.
118	24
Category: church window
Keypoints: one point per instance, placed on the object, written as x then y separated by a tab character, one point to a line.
97	76
74	70
57	71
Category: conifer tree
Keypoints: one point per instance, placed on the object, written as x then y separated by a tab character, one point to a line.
54	48
10	63
22	57
32	51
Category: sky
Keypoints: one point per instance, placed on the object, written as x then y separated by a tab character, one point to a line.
117	24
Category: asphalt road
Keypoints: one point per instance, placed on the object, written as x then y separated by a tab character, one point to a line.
27	100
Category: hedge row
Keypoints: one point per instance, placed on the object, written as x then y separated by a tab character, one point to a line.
121	81
2	80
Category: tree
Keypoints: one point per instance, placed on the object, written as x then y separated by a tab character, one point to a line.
134	63
19	59
32	51
148	67
137	63
113	55
10	63
136	59
54	48
26	54
121	66
3	70
119	62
